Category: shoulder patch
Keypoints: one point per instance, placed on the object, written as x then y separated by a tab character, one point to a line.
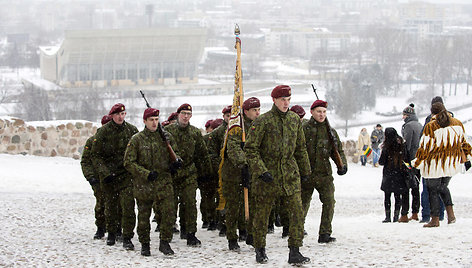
94	140
129	144
253	127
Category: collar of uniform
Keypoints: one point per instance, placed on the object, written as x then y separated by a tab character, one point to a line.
246	119
116	126
180	126
316	123
147	132
277	111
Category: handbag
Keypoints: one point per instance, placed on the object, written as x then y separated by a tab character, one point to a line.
411	176
463	157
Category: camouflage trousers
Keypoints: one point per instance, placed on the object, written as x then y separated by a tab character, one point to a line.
185	190
233	193
208	200
99	206
325	187
116	195
164	200
264	197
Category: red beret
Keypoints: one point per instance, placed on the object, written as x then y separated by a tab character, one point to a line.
281	91
208	123
298	110
319	103
173	116
216	123
165	123
227	109
149	112
117	108
185	107
106	118
252	102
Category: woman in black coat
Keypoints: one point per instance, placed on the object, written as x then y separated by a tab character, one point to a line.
392	158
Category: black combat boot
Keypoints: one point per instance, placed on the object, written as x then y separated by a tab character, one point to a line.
233	245
205	224
395	215
222	232
100	233
270	229
250	240
157	229
127	244
326	238
165	248
242	235
285	231
192	240
111	239
145	249
261	256
387	217
175	229
119	236
212	226
295	257
183	233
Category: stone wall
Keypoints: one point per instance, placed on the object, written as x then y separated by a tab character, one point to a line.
54	138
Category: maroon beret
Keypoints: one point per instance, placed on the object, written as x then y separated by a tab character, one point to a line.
216	123
227	109
149	112
252	102
106	118
298	110
185	106
165	123
281	91
319	103
117	108
208	123
173	116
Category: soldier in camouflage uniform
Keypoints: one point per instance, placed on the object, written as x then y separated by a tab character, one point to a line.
235	175
277	157
196	162
108	150
320	150
92	177
147	159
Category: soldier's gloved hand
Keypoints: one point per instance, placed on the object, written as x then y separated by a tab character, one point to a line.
342	171
267	177
304	178
152	176
93	181
467	165
245	176
166	135
110	178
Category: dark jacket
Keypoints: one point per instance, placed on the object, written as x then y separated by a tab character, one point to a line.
393	178
377	137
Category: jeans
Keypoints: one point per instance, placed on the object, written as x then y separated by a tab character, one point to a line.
375	156
425	211
438	190
363	159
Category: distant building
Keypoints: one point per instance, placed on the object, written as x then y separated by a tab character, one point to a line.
421	19
124	57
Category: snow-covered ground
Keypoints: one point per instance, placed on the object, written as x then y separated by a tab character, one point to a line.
46	220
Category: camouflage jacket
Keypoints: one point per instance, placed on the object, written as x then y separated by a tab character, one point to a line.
319	148
215	144
86	162
276	144
194	153
109	147
147	152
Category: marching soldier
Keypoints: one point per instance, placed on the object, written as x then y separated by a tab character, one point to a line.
320	149
235	176
277	157
208	189
147	159
108	150
92	177
196	162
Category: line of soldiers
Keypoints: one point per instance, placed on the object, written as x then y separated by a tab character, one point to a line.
282	161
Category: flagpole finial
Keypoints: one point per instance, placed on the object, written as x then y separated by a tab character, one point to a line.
236	29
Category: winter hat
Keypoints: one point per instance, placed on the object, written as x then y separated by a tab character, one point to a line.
252	102
106	118
216	123
173	116
298	110
117	108
319	103
378	125
437	99
185	107
281	91
208	123
149	112
227	109
410	109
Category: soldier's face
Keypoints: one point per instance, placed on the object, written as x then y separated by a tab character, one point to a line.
319	114
253	113
184	117
282	103
226	117
151	123
119	118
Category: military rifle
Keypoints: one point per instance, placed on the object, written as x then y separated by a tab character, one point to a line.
173	157
337	157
